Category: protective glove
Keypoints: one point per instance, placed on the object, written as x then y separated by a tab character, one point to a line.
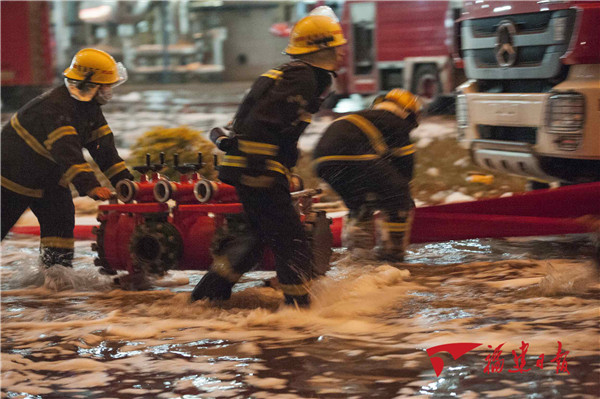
99	193
220	136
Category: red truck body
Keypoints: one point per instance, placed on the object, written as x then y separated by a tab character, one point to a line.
398	44
26	55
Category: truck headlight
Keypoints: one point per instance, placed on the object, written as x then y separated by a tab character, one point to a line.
462	115
566	113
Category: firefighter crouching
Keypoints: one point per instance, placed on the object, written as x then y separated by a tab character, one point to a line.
42	152
367	158
260	150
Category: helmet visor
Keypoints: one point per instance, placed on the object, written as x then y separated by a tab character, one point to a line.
326	11
122	74
82	91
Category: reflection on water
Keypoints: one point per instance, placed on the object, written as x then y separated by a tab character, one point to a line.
365	336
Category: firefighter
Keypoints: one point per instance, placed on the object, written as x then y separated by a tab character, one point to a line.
42	152
367	158
260	149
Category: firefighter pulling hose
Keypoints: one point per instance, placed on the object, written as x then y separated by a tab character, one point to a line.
367	157
42	152
149	237
261	149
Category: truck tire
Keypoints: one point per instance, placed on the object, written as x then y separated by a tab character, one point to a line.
426	82
320	238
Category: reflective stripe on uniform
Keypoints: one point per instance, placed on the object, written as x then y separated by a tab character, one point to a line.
223	268
58	242
242	162
273	74
373	134
403	151
58	134
294	289
100	132
396	227
29	139
257	181
73	171
115	169
19	189
332	158
253	147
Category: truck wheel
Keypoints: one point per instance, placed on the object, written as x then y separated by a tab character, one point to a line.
426	82
156	247
320	237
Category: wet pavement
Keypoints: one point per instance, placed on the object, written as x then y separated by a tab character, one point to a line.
365	336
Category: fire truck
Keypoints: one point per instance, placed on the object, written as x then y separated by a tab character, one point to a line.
399	44
531	106
26	51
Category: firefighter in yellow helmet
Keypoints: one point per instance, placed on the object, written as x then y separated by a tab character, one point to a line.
261	148
367	158
42	152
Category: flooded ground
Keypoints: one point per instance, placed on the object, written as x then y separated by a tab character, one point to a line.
366	335
73	334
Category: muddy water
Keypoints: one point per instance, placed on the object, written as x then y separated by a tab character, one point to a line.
365	336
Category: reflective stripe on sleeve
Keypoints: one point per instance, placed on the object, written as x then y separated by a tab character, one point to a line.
58	134
73	171
100	132
115	169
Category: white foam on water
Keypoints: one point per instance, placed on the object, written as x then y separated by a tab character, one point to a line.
359	301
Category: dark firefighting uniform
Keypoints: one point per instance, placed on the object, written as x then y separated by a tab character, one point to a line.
42	154
367	158
266	130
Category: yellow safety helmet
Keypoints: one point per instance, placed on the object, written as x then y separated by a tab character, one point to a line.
101	67
399	101
313	33
404	99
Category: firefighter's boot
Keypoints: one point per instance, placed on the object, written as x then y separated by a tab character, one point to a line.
301	301
393	236
56	256
212	286
358	233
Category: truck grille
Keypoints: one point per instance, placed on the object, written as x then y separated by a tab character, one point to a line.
518	134
537	39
